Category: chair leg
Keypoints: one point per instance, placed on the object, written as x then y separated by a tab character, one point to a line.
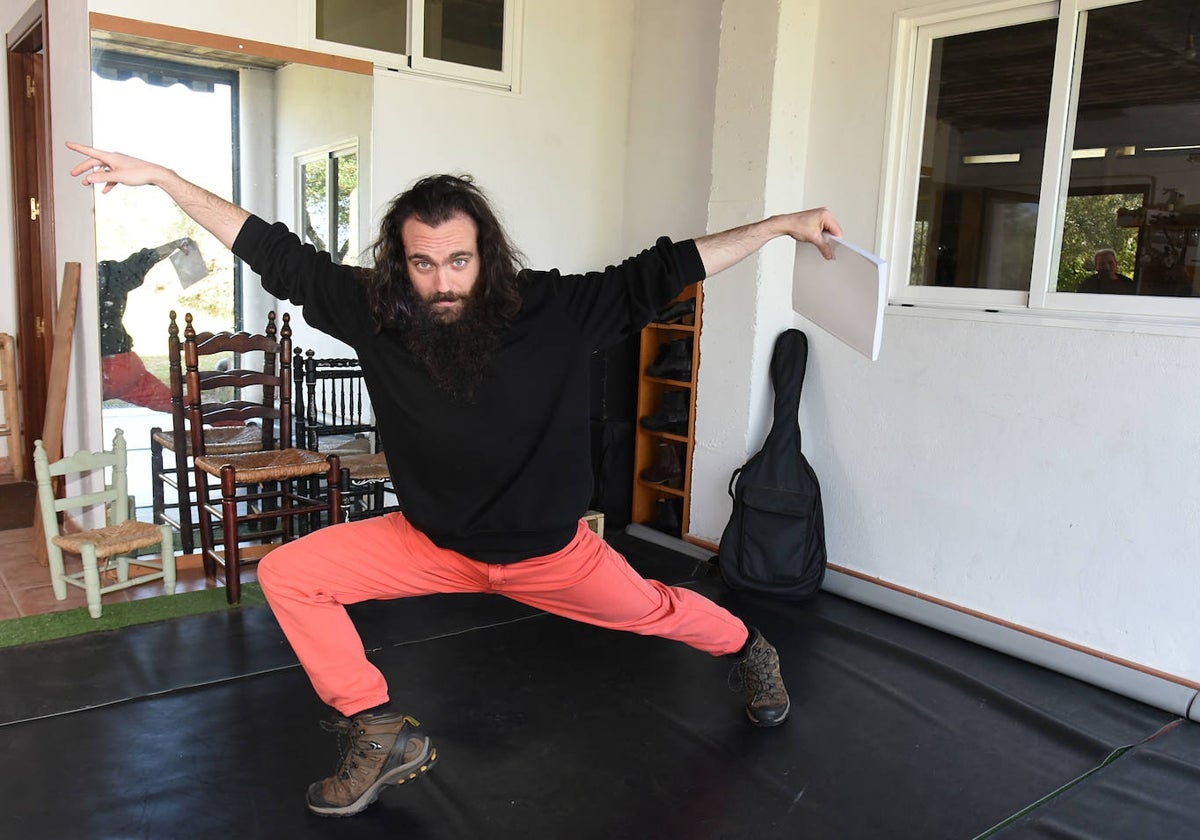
91	579
157	487
229	524
183	493
333	485
287	526
168	558
345	487
207	546
57	572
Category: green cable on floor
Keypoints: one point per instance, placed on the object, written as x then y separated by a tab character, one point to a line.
1033	806
1113	756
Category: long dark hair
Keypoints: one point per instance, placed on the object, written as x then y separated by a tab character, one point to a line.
433	200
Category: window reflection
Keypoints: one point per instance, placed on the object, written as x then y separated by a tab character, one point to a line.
374	24
1134	185
467	32
981	162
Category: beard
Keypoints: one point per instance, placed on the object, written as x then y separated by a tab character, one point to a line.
454	351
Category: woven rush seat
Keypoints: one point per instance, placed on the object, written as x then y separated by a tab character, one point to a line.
263	467
113	539
221	440
365	467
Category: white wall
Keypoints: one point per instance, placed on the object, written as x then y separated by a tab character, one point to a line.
552	157
315	108
672	102
1040	474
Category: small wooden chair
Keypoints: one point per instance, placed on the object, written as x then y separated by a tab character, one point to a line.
255	487
114	541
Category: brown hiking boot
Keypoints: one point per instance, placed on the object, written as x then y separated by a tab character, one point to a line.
376	750
757	676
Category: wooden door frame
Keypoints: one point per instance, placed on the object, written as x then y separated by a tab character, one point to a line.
33	239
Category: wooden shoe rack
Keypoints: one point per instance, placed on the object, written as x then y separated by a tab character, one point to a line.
652	500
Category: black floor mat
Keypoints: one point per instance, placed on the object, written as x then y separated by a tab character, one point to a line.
551	729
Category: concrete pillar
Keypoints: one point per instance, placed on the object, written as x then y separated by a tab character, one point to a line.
764	87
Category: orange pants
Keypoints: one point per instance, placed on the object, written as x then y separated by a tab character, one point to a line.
308	582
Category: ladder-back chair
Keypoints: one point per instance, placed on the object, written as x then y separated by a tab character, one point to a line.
334	415
226	439
255	487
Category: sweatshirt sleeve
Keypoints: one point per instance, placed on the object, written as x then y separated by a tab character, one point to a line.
611	304
331	296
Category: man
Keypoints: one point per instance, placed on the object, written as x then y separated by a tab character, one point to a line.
124	373
477	371
1106	280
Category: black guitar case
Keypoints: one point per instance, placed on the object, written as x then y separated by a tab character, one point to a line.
775	540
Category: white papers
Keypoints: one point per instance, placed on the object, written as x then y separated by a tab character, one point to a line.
844	296
189	265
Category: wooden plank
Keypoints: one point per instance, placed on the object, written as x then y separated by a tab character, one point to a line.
228	44
56	392
11	427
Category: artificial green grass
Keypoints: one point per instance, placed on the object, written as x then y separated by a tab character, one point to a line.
60	625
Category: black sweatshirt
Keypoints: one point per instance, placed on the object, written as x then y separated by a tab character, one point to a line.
506	476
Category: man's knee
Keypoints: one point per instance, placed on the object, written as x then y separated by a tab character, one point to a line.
273	569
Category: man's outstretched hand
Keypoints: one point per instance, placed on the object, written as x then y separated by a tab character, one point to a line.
213	213
112	168
811	226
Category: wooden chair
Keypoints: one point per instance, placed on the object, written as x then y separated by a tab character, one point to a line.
114	541
333	415
255	487
229	439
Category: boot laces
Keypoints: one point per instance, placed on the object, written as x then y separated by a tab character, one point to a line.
354	744
756	674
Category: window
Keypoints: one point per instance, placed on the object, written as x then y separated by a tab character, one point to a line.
1049	158
327	201
471	40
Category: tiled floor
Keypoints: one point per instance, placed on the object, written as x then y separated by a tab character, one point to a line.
25	584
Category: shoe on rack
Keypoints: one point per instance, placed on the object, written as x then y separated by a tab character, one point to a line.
680	311
377	750
672	414
668	517
667	468
756	675
674	361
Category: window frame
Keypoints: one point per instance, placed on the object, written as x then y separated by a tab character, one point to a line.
414	60
329	153
914	34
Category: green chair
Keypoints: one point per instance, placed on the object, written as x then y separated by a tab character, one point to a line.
115	542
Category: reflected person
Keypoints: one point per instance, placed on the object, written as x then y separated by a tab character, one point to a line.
124	373
1107	280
